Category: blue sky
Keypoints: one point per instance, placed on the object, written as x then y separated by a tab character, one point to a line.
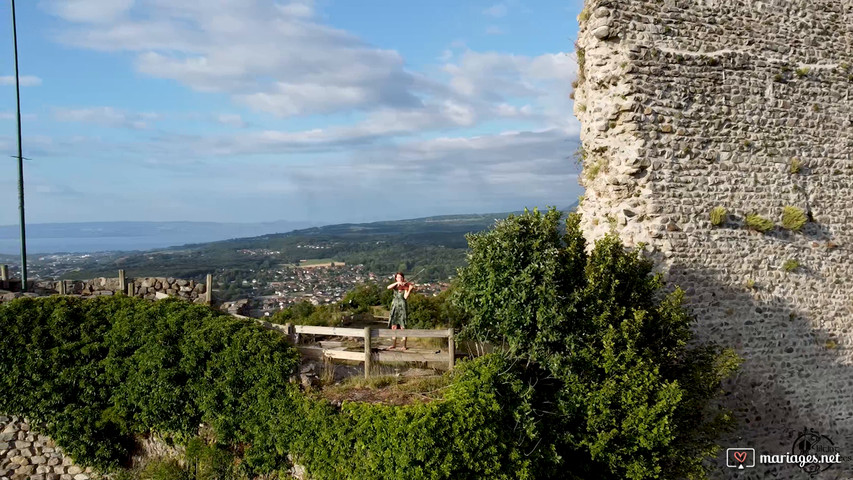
257	110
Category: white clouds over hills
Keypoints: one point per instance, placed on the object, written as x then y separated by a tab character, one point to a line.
435	126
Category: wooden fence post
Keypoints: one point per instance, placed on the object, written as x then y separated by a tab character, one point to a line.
122	282
4	272
367	352
208	291
451	348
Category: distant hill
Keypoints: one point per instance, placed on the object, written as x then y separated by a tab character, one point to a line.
434	246
87	237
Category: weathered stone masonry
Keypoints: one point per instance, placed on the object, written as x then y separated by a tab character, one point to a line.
690	105
151	288
27	455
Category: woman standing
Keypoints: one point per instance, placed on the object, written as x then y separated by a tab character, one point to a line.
399	311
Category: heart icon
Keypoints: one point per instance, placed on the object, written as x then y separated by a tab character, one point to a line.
740	456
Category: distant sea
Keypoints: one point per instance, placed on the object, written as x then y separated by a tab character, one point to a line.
128	236
97	244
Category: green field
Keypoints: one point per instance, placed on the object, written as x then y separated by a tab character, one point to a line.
318	261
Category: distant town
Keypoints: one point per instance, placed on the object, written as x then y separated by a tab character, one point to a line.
319	284
261	292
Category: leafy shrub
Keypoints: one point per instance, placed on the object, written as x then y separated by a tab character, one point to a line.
166	469
793	218
306	313
98	371
362	297
487	425
790	265
433	311
635	396
758	223
718	216
211	462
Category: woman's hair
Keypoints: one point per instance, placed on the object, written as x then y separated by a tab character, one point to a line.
400	274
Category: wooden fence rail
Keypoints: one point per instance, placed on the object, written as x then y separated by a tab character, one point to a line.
369	333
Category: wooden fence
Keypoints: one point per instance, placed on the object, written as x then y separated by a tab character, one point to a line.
368	334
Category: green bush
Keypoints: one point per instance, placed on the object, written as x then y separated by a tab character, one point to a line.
718	216
790	265
99	371
488	425
758	223
295	313
96	372
211	462
793	218
636	396
433	311
362	297
166	469
306	313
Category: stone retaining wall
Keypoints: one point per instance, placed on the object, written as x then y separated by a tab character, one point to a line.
746	105
148	287
26	455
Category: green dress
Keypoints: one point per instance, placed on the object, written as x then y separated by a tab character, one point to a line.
399	312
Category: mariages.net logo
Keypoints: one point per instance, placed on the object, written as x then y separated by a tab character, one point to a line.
811	451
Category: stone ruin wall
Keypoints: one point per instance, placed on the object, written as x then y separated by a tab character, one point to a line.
151	288
690	105
27	455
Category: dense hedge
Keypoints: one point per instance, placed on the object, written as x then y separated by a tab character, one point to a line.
99	371
486	426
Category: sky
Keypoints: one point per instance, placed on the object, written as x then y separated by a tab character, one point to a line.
257	110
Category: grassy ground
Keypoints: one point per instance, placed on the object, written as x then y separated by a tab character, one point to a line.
387	389
318	262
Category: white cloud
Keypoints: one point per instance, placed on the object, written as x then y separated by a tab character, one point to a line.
495	77
497	10
494	30
105	116
273	58
92	11
14	116
230	119
25	80
450	174
280	59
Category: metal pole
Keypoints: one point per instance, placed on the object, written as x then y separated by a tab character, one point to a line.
20	160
